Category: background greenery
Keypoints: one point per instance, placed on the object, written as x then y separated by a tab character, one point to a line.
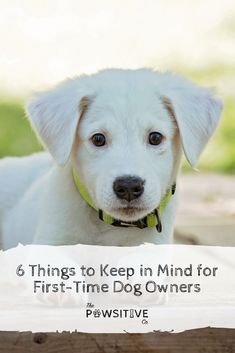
17	138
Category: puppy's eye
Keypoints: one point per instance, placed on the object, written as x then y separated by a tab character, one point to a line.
155	138
98	140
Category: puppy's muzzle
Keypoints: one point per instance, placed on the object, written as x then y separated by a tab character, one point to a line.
128	187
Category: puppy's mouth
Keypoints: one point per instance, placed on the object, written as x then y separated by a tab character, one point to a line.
129	211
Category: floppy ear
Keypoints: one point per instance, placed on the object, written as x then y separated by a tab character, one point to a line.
196	112
54	116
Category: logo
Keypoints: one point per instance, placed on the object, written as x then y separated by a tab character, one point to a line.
130	313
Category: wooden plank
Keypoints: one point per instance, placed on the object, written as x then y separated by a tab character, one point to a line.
205	340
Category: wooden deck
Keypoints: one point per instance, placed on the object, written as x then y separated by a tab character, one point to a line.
205	340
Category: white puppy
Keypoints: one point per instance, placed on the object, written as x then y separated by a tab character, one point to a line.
116	139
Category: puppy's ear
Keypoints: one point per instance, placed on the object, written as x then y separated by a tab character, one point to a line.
54	116
196	112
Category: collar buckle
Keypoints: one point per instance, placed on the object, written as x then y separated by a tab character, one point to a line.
159	223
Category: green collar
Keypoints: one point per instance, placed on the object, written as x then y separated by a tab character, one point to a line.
150	221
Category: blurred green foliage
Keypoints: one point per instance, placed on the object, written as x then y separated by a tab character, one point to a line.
17	137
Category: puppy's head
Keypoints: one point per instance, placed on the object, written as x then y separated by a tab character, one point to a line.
123	131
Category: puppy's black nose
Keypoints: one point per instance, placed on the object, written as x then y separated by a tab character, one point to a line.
128	187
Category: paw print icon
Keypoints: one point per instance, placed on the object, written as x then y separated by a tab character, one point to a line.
97	313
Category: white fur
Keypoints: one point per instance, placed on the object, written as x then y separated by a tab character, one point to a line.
38	199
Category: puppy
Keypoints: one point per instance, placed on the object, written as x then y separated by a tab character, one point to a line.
115	142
